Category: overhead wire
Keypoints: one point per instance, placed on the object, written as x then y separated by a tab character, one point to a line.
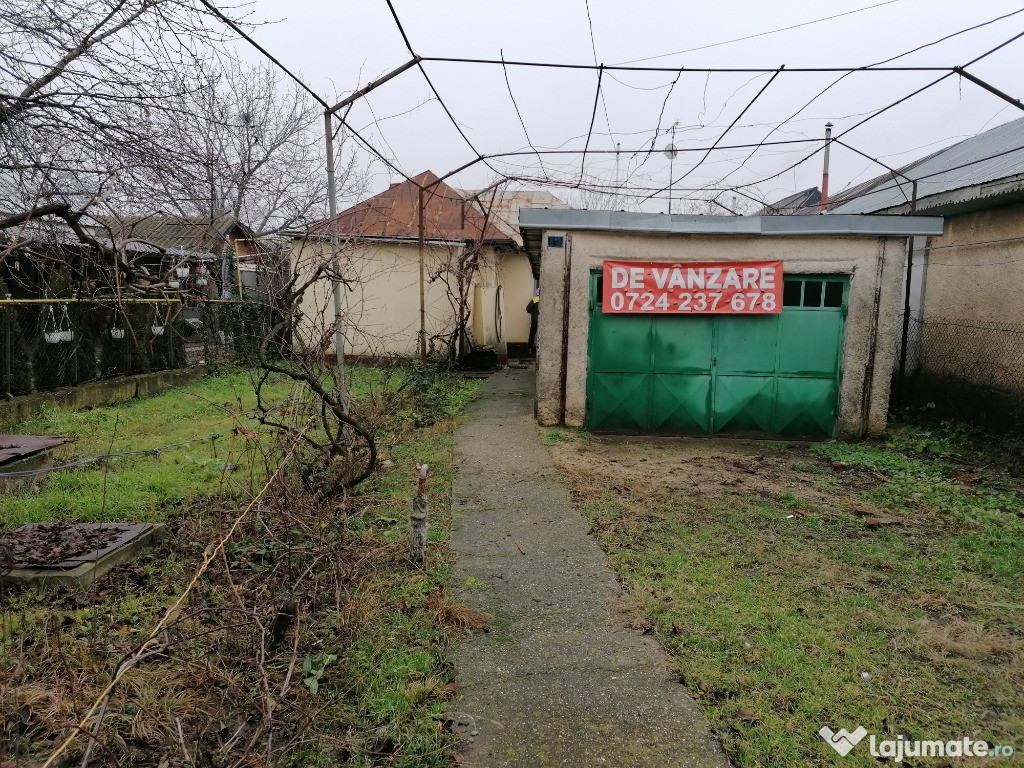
883	62
724	133
760	34
433	88
593	48
526	133
579	181
881	111
590	131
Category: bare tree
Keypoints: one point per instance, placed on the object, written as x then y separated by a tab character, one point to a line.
251	145
79	81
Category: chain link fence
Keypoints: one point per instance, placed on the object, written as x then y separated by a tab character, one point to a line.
51	344
966	370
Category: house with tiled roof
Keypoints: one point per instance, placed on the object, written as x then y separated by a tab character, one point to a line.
423	265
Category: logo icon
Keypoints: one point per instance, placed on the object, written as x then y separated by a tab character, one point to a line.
842	741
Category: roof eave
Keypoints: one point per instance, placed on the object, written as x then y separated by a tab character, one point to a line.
533	222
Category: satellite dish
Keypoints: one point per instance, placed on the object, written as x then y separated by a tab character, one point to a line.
671	151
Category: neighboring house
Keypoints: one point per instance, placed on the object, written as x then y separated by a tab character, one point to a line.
469	262
102	296
155	246
967	286
688	356
517	276
220	249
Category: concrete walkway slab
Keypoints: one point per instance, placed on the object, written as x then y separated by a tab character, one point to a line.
558	680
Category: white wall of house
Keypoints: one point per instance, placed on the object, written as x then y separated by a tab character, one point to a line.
382	305
516	278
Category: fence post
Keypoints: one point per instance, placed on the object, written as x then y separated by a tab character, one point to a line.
8	347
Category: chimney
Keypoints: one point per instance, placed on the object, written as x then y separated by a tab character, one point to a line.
824	170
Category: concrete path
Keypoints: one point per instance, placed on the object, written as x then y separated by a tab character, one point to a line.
558	680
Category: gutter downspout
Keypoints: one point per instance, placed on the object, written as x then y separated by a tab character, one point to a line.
564	366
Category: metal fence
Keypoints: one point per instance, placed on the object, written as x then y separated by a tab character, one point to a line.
966	370
48	344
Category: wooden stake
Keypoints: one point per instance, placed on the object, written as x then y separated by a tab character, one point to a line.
418	518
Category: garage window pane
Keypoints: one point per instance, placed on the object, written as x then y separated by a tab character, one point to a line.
600	290
833	294
812	293
791	293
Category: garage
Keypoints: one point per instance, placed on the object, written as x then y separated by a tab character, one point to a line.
657	324
720	374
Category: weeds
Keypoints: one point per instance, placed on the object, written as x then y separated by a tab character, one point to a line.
311	640
785	613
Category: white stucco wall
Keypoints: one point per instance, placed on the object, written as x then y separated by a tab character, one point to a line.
382	303
875	266
516	279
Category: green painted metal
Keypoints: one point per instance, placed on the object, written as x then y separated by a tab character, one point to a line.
720	374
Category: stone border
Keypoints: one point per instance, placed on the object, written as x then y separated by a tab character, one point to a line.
97	393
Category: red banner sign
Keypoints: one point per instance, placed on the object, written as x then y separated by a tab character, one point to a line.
722	288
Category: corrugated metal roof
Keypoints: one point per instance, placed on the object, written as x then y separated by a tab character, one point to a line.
803	202
990	156
394	213
173	232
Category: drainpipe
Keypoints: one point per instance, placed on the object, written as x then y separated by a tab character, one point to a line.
824	170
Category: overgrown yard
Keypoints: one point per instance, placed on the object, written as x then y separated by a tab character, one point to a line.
311	640
877	584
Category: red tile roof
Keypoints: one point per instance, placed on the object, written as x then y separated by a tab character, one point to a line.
394	213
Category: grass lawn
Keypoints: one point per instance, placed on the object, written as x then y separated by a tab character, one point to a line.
315	611
878	584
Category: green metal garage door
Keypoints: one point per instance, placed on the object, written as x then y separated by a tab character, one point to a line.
720	374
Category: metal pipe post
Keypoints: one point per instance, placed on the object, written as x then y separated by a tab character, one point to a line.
332	202
423	286
824	170
901	382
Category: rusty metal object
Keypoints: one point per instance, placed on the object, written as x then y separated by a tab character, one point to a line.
63	546
17	447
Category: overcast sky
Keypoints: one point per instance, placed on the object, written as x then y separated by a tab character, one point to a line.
337	46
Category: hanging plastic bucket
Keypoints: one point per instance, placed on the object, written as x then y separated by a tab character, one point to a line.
117	333
158	330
